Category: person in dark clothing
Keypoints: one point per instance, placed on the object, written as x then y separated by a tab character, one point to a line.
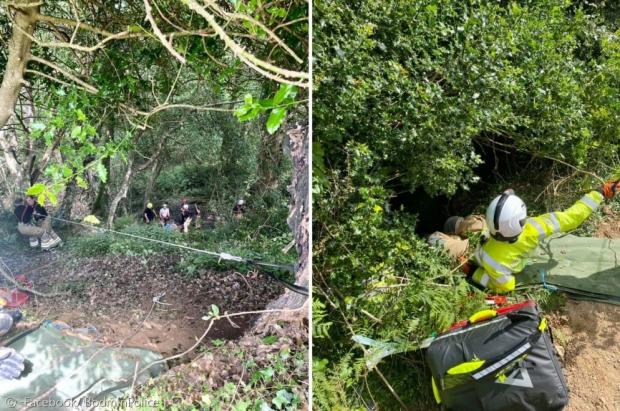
33	222
187	214
149	214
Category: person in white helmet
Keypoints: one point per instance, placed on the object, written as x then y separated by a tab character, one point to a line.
239	209
164	215
513	235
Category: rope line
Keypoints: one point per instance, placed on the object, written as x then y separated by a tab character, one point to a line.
221	256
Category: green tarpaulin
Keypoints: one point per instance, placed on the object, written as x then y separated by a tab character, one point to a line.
79	369
582	266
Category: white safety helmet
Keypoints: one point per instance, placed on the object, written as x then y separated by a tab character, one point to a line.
506	217
240	202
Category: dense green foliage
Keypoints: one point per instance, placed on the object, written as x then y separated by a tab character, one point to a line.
445	97
423	82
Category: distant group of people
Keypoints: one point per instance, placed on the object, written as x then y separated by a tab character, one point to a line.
186	215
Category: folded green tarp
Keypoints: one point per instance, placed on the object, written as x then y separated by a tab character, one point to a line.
584	267
82	372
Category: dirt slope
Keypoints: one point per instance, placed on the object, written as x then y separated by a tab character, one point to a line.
114	294
588	336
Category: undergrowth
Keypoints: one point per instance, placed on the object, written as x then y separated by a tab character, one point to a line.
245	238
267	376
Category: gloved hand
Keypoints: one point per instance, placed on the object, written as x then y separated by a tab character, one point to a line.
8	319
610	188
11	363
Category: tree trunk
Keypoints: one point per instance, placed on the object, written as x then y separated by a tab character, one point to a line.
12	82
122	192
150	182
269	160
102	192
297	147
67	202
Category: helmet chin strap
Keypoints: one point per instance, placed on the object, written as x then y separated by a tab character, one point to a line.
499	206
498	211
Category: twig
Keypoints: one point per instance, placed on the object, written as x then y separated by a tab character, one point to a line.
267	69
389	387
202	337
243	278
232	400
245	17
135	377
88	87
167	44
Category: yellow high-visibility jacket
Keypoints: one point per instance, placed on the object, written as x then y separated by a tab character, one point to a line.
499	260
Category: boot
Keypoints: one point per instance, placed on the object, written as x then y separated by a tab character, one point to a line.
47	241
34	242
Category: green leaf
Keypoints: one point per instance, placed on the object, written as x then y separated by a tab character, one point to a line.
215	310
41	199
80	115
282	398
102	173
270	339
76	132
267	373
66	171
284	92
277	12
36	189
217	342
52	197
81	183
275	119
242	406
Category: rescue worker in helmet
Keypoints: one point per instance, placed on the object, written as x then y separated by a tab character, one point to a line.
239	209
33	221
148	214
512	235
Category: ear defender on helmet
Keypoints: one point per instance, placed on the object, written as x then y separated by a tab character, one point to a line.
506	216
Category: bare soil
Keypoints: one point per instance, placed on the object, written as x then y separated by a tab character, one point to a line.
114	294
587	335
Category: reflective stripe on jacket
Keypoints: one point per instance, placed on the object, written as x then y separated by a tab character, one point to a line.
498	260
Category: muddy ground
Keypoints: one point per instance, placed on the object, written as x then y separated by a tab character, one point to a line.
114	294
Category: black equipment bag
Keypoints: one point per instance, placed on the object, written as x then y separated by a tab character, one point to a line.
498	360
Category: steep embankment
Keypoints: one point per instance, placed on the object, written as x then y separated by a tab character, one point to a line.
588	338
